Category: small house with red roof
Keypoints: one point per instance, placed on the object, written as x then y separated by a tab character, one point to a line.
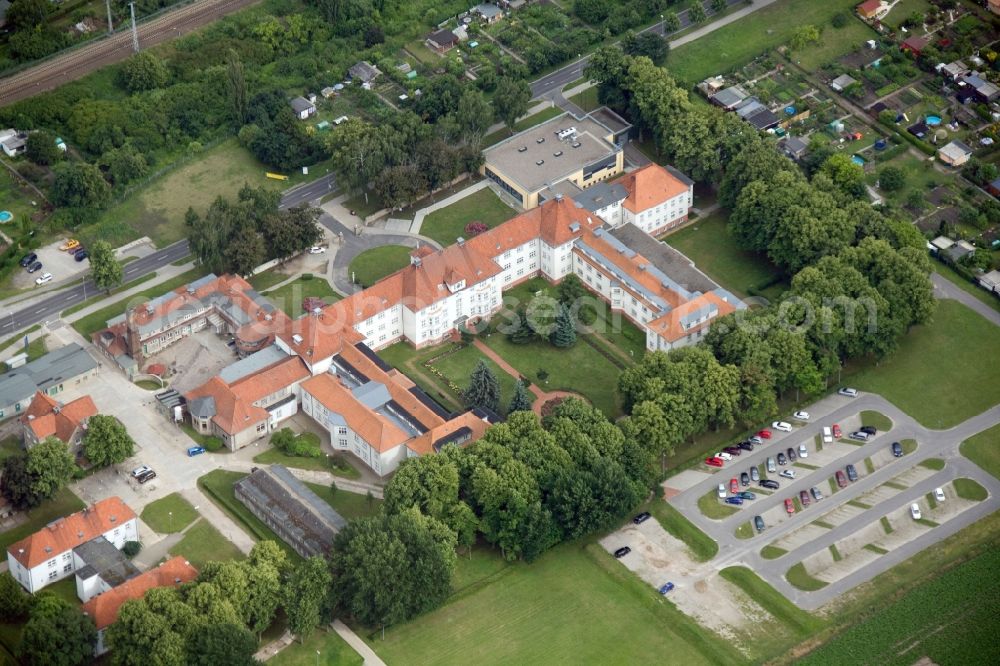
870	9
47	417
915	44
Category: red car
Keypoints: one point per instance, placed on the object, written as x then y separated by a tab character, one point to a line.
804	498
734	486
836	431
789	506
841	479
713	461
764	434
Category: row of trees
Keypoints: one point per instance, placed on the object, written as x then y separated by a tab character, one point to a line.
236	237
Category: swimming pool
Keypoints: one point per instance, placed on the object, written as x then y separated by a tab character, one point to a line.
857	159
6	216
933	120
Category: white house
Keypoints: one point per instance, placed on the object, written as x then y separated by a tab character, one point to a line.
47	555
302	107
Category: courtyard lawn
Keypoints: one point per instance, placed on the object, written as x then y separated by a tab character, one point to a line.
203	544
169	514
458	367
708	243
336	465
61	504
289	296
586	100
573	605
580	369
940	394
372	265
323	647
347	504
408	360
984	450
448	224
734	45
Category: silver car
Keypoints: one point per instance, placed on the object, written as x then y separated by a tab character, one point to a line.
771	467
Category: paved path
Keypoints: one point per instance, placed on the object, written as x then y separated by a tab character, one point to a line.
832	409
945	288
418	219
371	659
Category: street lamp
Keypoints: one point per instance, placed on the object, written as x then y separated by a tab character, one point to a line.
317	657
171	516
663	26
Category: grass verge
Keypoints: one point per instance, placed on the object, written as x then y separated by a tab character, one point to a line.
886	525
372	265
933	463
876	419
984	450
770	552
203	544
800	578
711	507
702	546
969	489
169	514
336	464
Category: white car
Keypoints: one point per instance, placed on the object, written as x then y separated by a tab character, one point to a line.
801	416
803	451
725	456
782	426
317	250
722	490
139	470
849	392
787	473
46	277
939	494
915	511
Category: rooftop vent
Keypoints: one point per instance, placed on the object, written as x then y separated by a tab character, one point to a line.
558	153
460	240
267	317
522	149
150	309
190	289
113	519
317	311
642	267
559	197
297	339
540	162
48	549
562	134
79	534
577	144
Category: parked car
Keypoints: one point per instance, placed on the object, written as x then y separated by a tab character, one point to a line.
28	259
837	433
747	495
915	511
758	522
733	450
859	436
804	498
801	416
782	426
897	450
666	587
841	479
852	473
756	440
787	473
770	465
622	552
315	249
71	244
803	451
764	434
738	501
146	476
722	490
827	435
754	474
815	492
849	392
782	460
195	451
139	470
746	446
46	277
81	255
725	456
734	485
871	430
770	484
790	452
789	506
744	479
37	266
939	494
641	518
714	462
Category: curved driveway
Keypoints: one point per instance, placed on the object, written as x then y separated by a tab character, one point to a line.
931	444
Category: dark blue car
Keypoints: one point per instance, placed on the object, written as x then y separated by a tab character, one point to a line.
196	450
666	588
738	501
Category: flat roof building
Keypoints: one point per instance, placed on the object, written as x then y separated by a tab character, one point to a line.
50	374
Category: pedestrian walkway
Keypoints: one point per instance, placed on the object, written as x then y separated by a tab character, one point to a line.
371	659
418	219
541	397
162	275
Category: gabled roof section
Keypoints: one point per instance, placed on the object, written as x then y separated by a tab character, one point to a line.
691	316
104	607
649	187
46	417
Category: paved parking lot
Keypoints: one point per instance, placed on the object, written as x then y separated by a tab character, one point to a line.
854	513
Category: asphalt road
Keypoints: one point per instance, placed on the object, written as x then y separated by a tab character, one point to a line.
931	443
573	71
309	192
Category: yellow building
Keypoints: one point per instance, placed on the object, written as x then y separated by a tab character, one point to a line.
578	150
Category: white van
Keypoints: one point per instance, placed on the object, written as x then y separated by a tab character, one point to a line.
827	435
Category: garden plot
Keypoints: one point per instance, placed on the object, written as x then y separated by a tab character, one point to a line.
657	557
800	537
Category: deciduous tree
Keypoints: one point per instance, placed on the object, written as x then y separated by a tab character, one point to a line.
56	633
50	465
143	71
510	100
79	185
42	149
107	442
305	592
105	269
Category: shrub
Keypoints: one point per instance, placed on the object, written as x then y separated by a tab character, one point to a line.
212	444
306	277
475	228
131	548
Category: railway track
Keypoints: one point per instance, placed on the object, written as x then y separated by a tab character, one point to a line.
82	61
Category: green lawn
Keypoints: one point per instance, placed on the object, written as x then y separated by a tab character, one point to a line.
169	514
940	395
744	530
210	442
573	605
347	504
935	464
799	621
203	543
800	578
734	45
458	367
984	450
36	349
95	321
572	369
266	279
880	421
835	42
969	489
521	125
702	546
10	446
323	646
372	265
770	552
708	243
338	467
65	589
586	100
61	504
447	224
712	507
289	297
981	294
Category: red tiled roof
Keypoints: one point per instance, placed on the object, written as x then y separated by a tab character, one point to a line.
233	414
869	6
47	418
669	325
104	607
650	186
380	433
270	380
424	444
69	532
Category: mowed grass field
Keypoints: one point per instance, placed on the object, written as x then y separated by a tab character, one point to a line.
736	44
289	296
984	450
941	374
447	224
372	265
574	605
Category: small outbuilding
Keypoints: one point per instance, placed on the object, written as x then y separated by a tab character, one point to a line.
302	107
364	71
954	153
442	40
843	82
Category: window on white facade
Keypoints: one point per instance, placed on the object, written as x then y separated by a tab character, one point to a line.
261	427
53	574
68	567
52	563
341	430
